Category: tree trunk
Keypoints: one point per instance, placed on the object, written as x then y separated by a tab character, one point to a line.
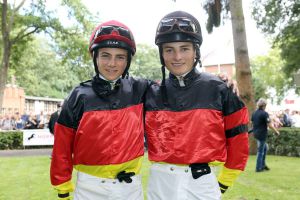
242	64
3	73
6	51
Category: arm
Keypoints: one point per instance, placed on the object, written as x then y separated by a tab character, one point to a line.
270	125
235	122
62	161
51	123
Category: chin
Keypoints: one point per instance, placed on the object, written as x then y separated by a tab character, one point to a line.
112	78
178	73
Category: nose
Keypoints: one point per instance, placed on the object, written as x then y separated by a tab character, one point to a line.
177	55
112	62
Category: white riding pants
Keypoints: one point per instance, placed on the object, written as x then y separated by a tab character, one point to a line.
94	188
173	182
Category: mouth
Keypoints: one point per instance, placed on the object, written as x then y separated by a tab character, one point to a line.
177	64
111	71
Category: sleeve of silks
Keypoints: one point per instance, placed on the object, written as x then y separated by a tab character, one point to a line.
236	131
62	162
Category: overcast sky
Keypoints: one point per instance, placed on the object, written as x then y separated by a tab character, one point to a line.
142	16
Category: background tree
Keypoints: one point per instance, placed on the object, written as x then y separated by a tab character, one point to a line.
217	8
40	72
281	20
146	63
267	71
19	23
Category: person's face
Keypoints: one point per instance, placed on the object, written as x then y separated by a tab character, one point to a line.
179	57
111	62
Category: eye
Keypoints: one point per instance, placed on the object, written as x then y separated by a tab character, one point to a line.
168	50
104	55
121	58
186	48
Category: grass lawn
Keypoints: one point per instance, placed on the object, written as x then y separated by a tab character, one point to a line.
27	178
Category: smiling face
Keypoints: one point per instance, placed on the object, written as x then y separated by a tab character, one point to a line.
179	57
111	62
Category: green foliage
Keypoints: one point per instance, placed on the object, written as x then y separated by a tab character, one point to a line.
288	143
260	89
281	19
11	140
73	47
146	63
40	72
267	73
32	19
214	11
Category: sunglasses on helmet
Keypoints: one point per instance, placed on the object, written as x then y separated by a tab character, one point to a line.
107	30
182	24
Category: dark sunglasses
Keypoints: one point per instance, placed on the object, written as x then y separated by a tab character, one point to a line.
106	30
183	24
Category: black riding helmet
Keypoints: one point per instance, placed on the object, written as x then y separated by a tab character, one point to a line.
112	34
178	26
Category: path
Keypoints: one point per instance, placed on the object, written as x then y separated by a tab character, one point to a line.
25	152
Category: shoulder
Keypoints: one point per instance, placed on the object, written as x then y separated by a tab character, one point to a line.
212	80
139	82
205	76
82	86
266	114
86	83
83	89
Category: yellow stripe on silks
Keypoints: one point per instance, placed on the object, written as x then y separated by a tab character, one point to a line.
228	176
111	171
215	163
211	164
65	187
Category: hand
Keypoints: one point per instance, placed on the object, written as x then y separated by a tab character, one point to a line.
223	188
230	83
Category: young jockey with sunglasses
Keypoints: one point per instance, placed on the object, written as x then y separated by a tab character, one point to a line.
193	120
100	131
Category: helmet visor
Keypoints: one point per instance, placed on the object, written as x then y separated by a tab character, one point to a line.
184	25
107	30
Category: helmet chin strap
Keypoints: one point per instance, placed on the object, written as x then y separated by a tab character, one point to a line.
95	61
126	73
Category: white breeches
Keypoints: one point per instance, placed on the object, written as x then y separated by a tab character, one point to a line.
173	182
94	188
